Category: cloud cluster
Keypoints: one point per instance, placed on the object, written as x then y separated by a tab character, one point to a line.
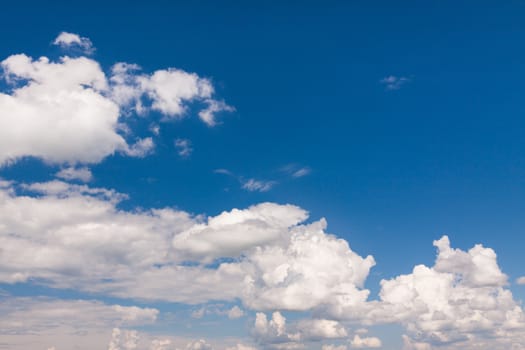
69	111
267	257
73	236
459	302
28	322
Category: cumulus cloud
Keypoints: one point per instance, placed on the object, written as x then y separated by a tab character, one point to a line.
75	173
276	333
520	280
230	233
365	343
265	256
60	115
460	302
65	40
235	312
313	269
68	111
123	340
393	82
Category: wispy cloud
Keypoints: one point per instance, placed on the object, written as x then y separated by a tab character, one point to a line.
393	82
254	185
183	147
223	171
296	171
72	173
250	184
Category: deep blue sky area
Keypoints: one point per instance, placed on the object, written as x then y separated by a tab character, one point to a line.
391	170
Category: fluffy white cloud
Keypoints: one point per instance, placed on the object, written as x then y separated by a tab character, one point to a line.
74	236
459	303
312	269
273	333
319	329
123	340
66	39
200	344
235	312
276	333
60	114
68	111
521	280
75	173
231	233
366	342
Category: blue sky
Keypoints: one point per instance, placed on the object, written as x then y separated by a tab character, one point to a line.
397	122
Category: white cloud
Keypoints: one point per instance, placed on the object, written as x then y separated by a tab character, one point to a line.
141	148
60	115
66	39
241	347
200	344
273	333
161	344
459	303
320	329
334	347
207	115
276	333
69	112
520	280
30	315
235	312
65	323
223	171
393	82
367	342
183	147
123	340
410	344
74	236
75	173
254	185
313	269
301	172
230	233
170	88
